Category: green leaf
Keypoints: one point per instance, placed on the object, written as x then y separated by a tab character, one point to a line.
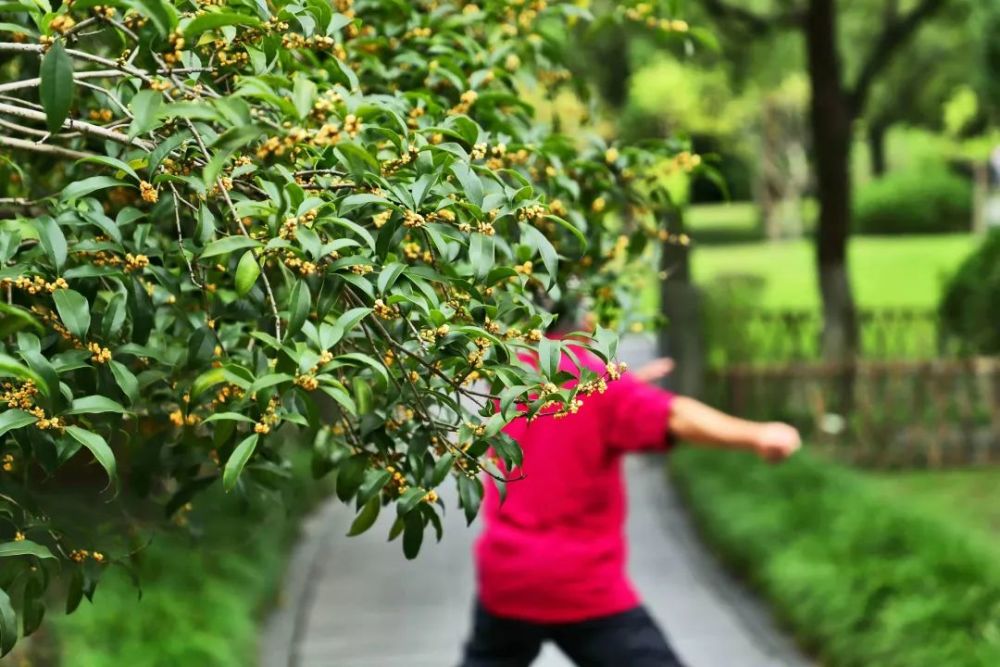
97	446
126	380
350	476
24	548
374	481
53	240
229	244
442	468
549	357
366	517
228	416
210	21
73	310
11	420
74	592
113	163
161	13
303	94
93	405
409	500
413	534
145	107
80	189
207	380
470	492
299	304
236	462
57	85
247	272
14	319
362	396
8	624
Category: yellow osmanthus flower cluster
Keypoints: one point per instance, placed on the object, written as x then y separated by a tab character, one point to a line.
175	40
62	24
465	102
98	354
385	311
683	161
101	115
413	220
148	192
135	262
105	12
362	269
8	463
81	555
534	213
34	285
18	396
380	219
270	418
46	423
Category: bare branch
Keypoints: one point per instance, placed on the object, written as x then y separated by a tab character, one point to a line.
45	149
894	35
80	126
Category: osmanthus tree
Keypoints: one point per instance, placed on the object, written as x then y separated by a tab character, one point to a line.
231	228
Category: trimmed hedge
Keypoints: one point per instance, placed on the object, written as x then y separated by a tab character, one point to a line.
971	300
860	581
928	200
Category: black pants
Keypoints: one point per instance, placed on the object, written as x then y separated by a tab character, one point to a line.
628	639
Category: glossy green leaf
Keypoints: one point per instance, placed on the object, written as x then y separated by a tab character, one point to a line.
24	548
145	107
11	420
227	245
73	310
8	624
98	446
57	85
299	304
366	517
94	405
237	461
247	272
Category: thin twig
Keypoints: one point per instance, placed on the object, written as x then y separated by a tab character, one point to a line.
180	236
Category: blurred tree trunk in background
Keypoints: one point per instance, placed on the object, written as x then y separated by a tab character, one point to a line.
877	131
682	339
832	122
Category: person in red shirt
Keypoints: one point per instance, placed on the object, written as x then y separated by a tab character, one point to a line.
551	559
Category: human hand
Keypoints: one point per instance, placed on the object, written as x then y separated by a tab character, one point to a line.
775	441
654	370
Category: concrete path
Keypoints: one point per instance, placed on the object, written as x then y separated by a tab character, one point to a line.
356	602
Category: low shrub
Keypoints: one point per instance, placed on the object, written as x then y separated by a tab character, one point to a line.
928	200
971	299
204	587
859	580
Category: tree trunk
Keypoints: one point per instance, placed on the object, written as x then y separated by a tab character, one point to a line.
682	338
832	119
877	131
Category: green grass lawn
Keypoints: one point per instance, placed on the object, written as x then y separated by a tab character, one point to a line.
969	498
906	271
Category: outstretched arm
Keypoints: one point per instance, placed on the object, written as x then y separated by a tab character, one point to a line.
696	422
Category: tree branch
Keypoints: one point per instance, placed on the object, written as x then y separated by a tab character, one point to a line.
894	35
759	24
46	149
80	126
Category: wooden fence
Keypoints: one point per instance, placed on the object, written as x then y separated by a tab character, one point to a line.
910	399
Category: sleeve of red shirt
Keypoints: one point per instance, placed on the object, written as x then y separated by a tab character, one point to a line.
637	417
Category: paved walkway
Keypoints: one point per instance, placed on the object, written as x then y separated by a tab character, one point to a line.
356	602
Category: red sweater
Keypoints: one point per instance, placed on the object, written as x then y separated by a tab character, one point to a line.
555	551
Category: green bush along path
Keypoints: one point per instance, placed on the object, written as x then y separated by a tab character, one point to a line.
860	579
